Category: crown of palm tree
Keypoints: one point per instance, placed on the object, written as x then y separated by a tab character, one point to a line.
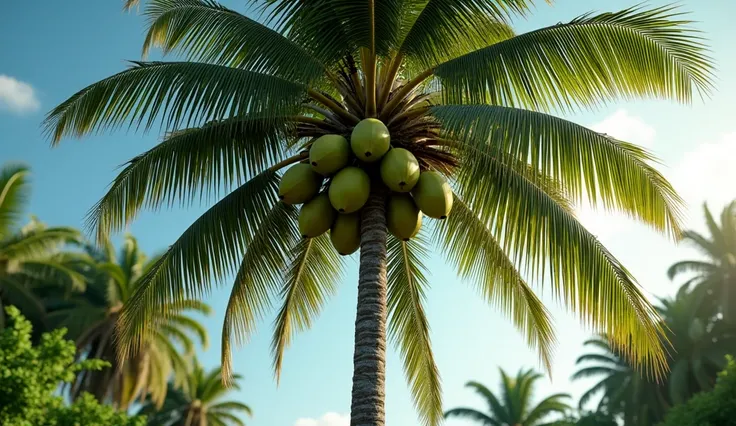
91	318
457	88
514	407
30	256
199	402
716	275
699	344
638	399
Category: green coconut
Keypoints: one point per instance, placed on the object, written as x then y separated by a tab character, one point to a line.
433	195
328	154
345	233
299	184
400	170
403	216
349	189
316	216
370	140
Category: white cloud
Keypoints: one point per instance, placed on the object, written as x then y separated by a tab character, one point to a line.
17	96
707	173
626	127
329	419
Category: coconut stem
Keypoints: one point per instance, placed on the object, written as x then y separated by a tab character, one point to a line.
403	91
408	115
291	160
388	83
370	67
333	106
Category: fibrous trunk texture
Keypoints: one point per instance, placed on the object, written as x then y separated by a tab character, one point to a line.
369	360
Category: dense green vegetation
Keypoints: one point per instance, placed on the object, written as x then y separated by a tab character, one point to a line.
30	375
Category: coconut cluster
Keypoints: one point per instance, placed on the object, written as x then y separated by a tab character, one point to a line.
414	192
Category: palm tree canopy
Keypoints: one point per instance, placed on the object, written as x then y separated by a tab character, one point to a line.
31	256
91	317
625	392
199	402
514	406
717	273
699	344
456	87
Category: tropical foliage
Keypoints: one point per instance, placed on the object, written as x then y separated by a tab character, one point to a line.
716	275
30	257
30	375
513	406
199	402
455	86
715	407
91	318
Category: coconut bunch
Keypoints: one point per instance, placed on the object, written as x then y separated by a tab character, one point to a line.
334	184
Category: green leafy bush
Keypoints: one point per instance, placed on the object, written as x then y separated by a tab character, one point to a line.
29	377
714	408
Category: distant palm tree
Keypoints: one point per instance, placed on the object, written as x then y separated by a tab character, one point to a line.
699	344
30	256
91	318
514	407
468	100
199	402
624	391
717	274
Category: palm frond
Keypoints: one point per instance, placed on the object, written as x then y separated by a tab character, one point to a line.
179	93
408	326
586	164
231	406
472	414
210	32
689	266
53	271
471	246
261	269
199	161
361	24
437	31
39	242
549	405
548	242
311	279
494	404
14	194
207	250
592	59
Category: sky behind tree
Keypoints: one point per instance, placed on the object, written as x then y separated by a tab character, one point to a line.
50	50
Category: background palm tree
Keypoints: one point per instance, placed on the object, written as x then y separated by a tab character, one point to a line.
91	318
717	274
699	344
637	398
514	407
451	83
30	256
199	402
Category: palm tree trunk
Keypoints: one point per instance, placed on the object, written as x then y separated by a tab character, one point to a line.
369	360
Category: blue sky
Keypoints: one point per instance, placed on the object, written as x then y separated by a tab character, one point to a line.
50	51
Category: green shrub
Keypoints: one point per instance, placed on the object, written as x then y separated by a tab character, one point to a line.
713	408
30	375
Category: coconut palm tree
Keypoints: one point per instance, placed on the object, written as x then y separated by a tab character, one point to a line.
514	407
199	402
447	81
717	274
699	345
636	398
91	317
30	255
